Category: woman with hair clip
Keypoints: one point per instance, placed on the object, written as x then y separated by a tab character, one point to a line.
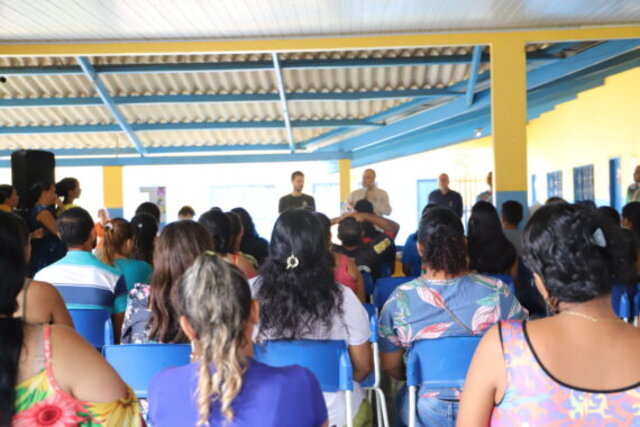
224	385
116	252
151	314
219	225
577	367
69	190
145	230
299	299
43	368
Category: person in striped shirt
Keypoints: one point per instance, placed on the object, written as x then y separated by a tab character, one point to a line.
84	281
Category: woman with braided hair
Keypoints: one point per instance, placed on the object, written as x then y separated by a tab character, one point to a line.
224	385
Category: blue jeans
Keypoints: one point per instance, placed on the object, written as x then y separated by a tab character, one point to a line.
432	411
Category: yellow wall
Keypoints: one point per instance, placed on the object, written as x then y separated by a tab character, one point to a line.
600	124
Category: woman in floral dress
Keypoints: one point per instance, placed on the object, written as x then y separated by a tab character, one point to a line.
44	368
445	301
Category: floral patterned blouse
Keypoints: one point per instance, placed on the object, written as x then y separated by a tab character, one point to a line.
429	309
41	402
137	317
534	397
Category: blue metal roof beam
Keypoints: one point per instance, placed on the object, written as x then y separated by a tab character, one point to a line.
473	74
283	100
227	98
177	149
157	127
89	71
239	66
457	107
195	160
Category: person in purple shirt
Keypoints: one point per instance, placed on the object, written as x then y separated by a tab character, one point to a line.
224	385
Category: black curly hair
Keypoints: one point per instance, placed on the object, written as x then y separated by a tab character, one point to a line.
441	234
562	246
293	301
490	251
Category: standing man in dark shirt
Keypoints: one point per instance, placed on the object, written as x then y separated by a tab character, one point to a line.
297	199
446	197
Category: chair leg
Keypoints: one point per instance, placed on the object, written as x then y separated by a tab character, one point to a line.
349	410
412	406
382	405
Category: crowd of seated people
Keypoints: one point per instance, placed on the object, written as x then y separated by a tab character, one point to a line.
217	285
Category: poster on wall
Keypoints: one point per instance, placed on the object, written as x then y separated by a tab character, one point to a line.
157	195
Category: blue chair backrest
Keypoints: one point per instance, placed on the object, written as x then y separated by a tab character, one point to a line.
138	363
636	301
440	363
384	288
327	359
508	280
94	325
372	312
368	282
621	300
385	269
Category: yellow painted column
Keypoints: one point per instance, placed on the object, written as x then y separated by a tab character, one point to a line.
509	121
344	167
112	186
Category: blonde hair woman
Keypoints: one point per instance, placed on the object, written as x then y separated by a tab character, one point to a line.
224	384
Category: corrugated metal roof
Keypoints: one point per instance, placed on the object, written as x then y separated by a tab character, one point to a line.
70	20
343	80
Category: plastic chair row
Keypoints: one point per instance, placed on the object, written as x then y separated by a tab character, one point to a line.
372	382
94	325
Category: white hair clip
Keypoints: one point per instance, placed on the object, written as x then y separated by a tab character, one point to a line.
292	262
598	238
139	225
108	226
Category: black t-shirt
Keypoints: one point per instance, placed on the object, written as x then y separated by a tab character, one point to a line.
373	251
303	201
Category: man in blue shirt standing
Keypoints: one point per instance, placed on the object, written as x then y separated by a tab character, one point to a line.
446	197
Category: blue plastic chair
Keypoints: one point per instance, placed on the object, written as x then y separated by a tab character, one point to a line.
138	363
385	269
636	305
372	382
385	286
621	300
368	283
437	363
508	280
327	359
94	325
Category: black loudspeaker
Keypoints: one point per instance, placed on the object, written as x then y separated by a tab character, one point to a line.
29	168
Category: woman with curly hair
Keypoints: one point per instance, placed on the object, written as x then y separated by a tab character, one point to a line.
445	301
577	367
224	385
299	299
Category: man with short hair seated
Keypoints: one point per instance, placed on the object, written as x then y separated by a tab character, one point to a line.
362	239
84	281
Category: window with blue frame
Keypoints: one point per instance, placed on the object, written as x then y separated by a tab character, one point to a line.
554	184
583	183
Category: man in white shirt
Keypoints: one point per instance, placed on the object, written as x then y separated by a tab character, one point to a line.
369	191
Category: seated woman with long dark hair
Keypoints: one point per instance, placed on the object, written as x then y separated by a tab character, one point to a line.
577	367
224	385
251	243
490	252
219	225
44	368
446	301
151	314
299	299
